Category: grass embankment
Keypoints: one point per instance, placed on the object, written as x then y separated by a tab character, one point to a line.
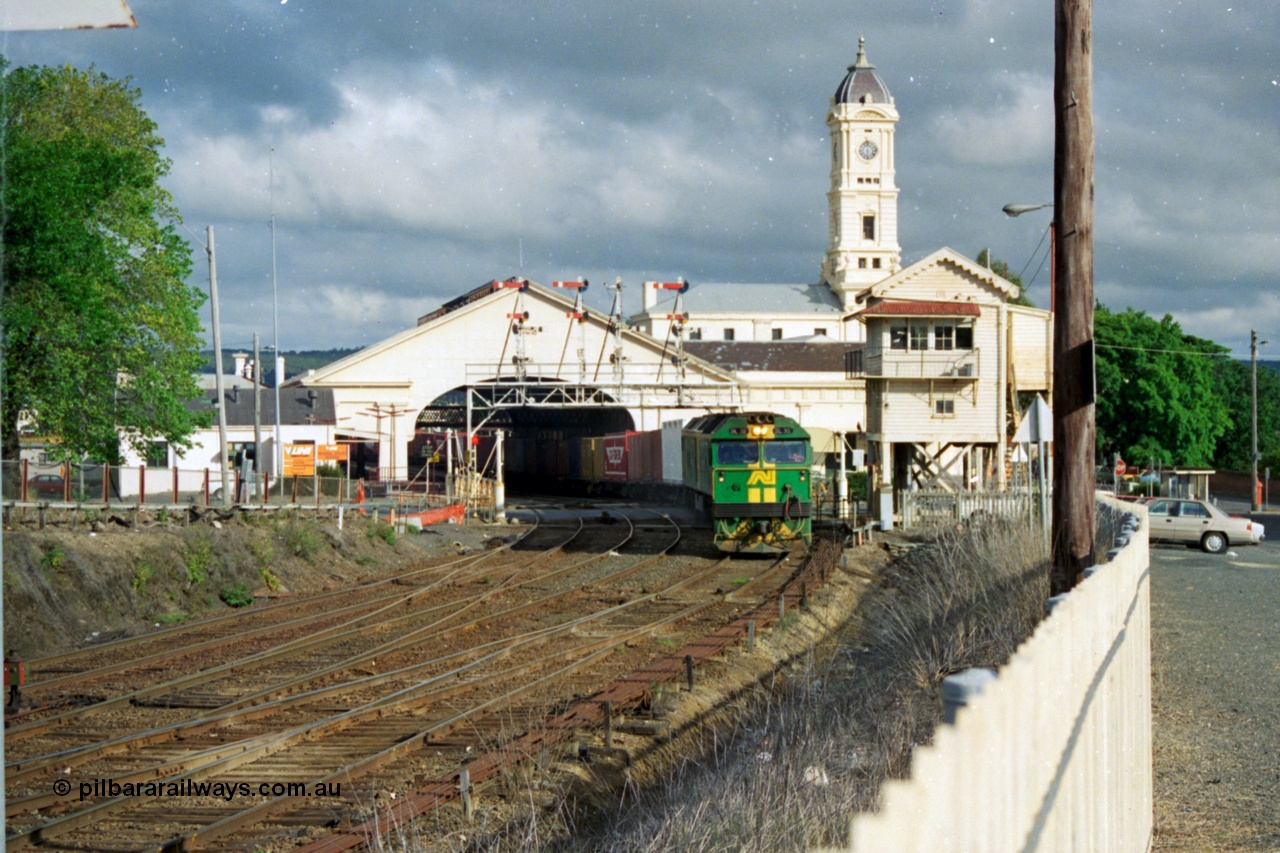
64	588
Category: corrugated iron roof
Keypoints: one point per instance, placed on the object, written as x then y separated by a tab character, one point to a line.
297	406
919	308
773	356
738	298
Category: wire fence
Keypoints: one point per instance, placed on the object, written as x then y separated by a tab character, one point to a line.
28	482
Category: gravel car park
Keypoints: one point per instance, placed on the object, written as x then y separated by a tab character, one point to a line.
1199	523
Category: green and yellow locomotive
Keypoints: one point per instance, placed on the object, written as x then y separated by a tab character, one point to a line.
751	472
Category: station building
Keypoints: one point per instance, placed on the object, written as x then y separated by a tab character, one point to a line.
919	367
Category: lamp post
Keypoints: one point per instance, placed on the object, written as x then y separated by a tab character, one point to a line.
1254	343
1012	210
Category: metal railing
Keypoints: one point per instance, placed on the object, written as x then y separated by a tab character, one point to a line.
1055	752
921	364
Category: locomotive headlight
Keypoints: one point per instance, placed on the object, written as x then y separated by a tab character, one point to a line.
720	477
802	476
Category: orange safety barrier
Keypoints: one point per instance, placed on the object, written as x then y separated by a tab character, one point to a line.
435	516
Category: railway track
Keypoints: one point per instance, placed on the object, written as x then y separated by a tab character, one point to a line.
484	666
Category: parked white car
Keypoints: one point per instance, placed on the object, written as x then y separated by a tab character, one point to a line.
1200	523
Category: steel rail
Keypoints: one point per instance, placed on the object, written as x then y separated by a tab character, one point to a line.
623	693
37	664
292	647
77	755
23	768
229	756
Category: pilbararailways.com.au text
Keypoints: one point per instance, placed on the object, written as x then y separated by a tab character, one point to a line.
99	788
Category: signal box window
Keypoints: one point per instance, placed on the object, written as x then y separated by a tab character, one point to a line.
898	336
944	337
944	407
919	336
964	337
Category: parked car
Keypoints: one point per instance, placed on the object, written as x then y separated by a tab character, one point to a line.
45	486
1194	522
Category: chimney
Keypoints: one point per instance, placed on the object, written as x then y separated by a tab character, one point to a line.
648	296
311	397
240	359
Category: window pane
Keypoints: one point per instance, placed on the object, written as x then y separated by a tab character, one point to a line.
777	334
898	336
737	452
964	337
868	227
784	452
728	334
944	337
919	336
1158	508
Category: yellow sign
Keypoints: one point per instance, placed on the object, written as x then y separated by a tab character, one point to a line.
767	478
299	460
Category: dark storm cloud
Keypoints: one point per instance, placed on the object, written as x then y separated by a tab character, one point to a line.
423	148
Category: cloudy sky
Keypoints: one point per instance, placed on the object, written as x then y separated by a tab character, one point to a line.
421	149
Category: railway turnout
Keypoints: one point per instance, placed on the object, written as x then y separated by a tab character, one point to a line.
127	743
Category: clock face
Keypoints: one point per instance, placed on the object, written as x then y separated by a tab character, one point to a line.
867	150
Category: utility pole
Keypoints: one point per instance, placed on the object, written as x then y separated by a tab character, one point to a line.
217	371
1253	448
1073	353
257	405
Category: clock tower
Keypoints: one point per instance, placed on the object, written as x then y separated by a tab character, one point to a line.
862	244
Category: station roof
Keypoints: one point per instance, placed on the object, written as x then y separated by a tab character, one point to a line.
774	356
737	298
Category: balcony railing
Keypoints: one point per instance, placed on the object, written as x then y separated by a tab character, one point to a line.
913	364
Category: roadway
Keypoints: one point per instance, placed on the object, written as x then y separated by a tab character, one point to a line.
1216	694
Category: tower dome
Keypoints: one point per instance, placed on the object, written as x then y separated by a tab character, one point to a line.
862	85
862	246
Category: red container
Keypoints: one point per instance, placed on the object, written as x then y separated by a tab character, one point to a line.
644	457
616	450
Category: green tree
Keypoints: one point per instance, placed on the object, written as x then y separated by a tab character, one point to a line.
1157	392
101	332
1234	386
1001	268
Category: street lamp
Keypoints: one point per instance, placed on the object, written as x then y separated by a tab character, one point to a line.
1012	210
1019	209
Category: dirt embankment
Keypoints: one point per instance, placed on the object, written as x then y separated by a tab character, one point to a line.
65	588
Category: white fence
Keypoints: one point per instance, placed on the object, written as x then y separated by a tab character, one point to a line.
1055	753
935	506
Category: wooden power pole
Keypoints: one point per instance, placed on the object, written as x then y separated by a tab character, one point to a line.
1073	355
